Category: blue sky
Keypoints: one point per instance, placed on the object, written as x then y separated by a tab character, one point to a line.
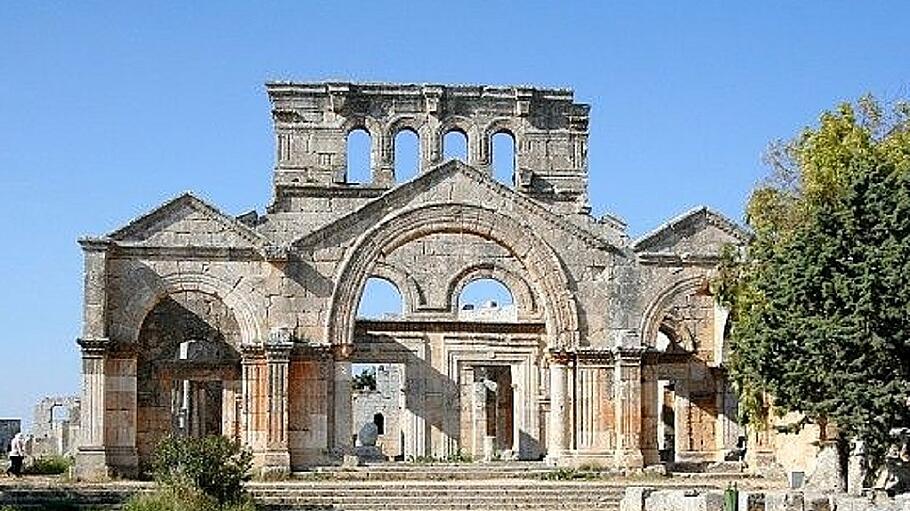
108	109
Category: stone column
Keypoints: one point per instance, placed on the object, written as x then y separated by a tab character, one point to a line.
557	438
627	382
382	161
277	458
91	456
343	412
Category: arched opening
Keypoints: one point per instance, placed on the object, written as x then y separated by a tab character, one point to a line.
358	157
455	145
377	410
407	155
486	300
188	371
504	157
380	300
60	413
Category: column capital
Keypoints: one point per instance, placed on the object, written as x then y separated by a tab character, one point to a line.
97	347
629	355
342	351
278	351
560	356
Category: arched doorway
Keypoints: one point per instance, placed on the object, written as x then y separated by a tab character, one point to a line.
188	371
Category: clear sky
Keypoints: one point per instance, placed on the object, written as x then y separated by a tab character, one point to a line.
109	109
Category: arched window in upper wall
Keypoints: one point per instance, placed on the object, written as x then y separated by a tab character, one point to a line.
407	155
503	146
380	300
455	145
486	300
358	157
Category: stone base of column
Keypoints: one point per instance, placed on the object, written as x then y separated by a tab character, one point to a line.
91	464
123	461
630	459
272	462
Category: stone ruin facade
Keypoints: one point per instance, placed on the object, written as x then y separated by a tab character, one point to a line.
381	408
198	322
55	428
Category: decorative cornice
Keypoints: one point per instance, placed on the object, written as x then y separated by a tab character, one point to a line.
675	259
95	243
134	250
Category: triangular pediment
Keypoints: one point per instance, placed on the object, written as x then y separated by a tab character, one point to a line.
187	221
457	182
698	232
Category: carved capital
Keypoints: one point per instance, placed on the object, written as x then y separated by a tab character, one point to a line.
342	351
560	357
94	348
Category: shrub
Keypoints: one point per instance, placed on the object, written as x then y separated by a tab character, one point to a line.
49	465
214	465
181	496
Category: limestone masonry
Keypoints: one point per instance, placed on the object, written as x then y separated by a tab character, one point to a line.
197	322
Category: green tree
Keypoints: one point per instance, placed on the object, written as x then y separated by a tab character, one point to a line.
820	300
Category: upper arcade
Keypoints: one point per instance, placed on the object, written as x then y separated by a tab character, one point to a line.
313	121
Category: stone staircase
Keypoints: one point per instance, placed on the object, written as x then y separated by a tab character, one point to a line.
391	487
485	495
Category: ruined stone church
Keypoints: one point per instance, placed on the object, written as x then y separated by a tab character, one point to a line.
197	322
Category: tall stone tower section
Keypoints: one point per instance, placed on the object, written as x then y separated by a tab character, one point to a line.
313	121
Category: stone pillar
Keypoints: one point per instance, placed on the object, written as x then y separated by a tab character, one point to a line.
91	456
557	438
382	162
627	384
276	458
856	468
343	412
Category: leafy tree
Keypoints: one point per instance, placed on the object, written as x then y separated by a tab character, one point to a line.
365	380
820	300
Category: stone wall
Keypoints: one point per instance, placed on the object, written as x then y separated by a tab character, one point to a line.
385	400
654	499
55	427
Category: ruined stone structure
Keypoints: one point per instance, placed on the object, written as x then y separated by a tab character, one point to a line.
55	428
197	322
382	407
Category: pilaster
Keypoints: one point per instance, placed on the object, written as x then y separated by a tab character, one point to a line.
91	455
276	457
265	403
558	438
343	411
627	382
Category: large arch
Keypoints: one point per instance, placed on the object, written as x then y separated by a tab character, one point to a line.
654	312
542	264
155	287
